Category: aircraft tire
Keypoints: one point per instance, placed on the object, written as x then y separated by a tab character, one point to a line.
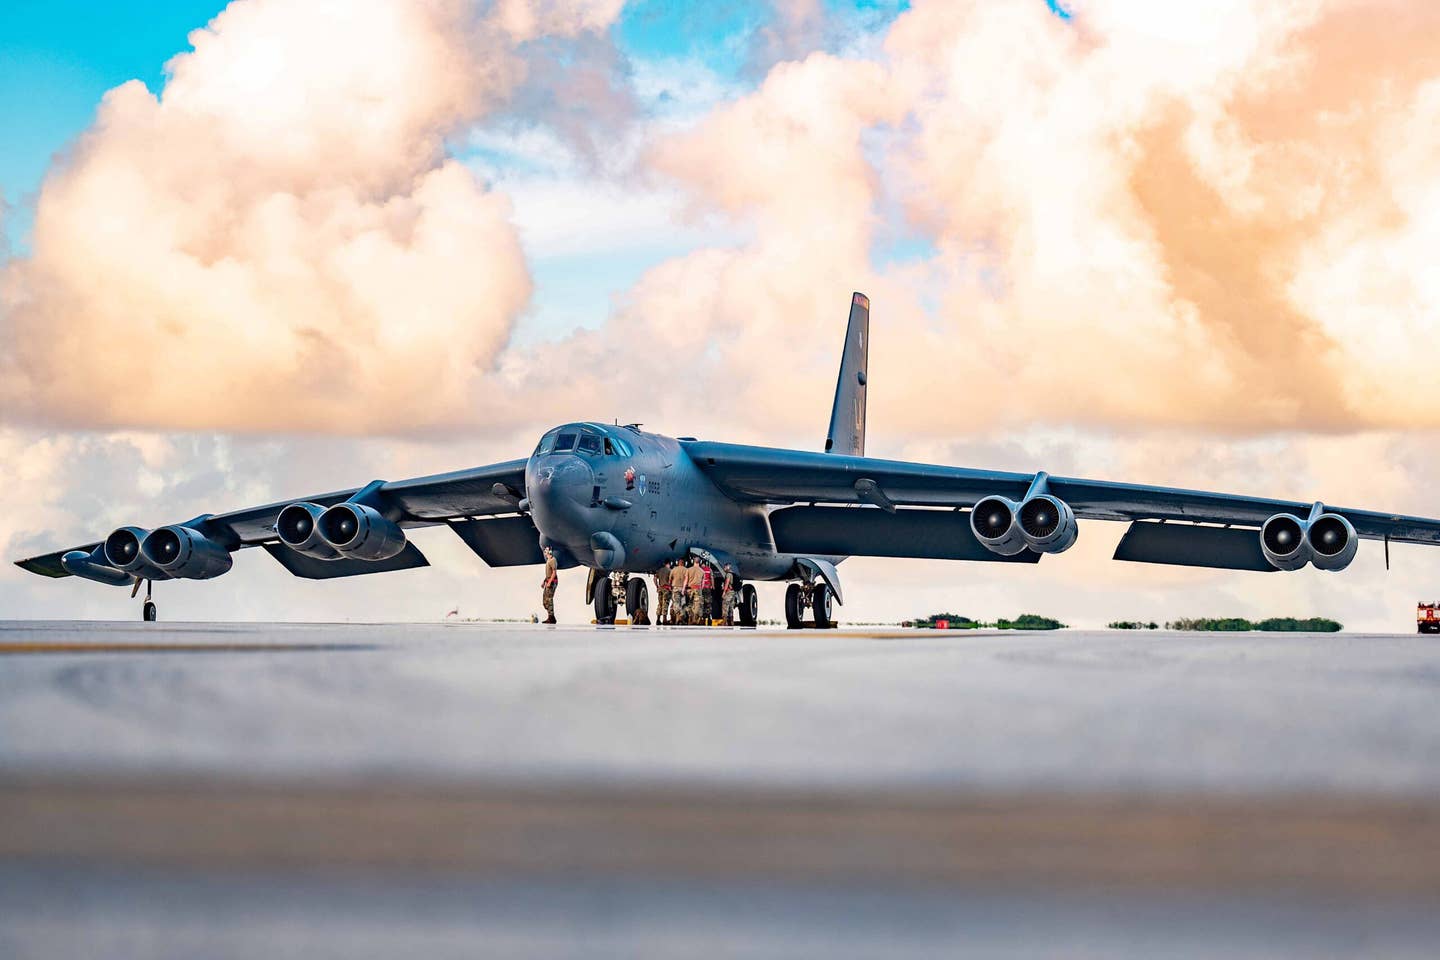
749	605
820	606
792	607
148	613
604	603
637	597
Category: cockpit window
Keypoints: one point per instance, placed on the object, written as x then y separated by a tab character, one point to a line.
589	443
609	448
547	443
566	441
620	447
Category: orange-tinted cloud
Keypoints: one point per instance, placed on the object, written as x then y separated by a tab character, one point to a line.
278	241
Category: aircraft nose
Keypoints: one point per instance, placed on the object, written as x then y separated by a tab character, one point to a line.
561	495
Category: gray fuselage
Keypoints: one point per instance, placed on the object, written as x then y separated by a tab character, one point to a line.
644	491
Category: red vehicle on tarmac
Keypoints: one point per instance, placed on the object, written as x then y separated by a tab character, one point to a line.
1427	618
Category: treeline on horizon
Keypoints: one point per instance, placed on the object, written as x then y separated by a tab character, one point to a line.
1238	625
955	621
1030	621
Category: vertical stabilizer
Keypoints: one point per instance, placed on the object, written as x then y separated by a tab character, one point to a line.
847	418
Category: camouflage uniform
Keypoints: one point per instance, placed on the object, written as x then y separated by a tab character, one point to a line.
547	596
727	597
693	594
707	594
678	579
662	591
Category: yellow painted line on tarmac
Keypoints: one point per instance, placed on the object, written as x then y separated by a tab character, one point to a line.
23	647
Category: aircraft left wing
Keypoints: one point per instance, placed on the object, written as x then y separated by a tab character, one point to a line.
460	499
1216	529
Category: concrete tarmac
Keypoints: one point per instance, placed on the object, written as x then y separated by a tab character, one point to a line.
234	790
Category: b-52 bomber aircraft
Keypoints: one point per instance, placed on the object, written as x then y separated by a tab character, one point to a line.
622	501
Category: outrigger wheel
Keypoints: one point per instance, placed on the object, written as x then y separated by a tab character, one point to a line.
147	612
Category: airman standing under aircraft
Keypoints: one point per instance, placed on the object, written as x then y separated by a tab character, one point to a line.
693	576
678	578
707	593
552	577
662	590
727	595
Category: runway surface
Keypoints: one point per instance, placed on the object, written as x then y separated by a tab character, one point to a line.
356	790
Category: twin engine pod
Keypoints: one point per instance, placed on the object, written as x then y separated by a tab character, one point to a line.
174	552
347	530
1327	540
1042	523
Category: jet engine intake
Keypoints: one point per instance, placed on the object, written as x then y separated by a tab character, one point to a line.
1332	541
185	554
1283	541
360	532
298	526
122	549
993	522
1048	524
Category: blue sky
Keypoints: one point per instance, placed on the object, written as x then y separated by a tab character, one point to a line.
58	57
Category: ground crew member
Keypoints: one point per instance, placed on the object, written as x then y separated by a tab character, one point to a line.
678	580
727	595
692	590
662	590
552	577
707	593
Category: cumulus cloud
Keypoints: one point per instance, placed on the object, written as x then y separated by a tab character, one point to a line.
278	241
1146	213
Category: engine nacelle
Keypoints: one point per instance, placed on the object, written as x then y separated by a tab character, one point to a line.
1283	541
1048	524
84	564
993	522
360	532
186	554
122	550
1333	542
298	526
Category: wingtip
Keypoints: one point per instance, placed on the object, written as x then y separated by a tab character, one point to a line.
860	300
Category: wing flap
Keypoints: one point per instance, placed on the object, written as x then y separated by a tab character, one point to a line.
1188	545
871	532
312	569
503	542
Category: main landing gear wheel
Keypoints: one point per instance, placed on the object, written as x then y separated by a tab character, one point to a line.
792	607
604	602
820	601
637	598
749	605
149	613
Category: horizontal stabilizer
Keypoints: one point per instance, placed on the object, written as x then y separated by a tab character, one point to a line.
506	542
1188	545
867	532
312	569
